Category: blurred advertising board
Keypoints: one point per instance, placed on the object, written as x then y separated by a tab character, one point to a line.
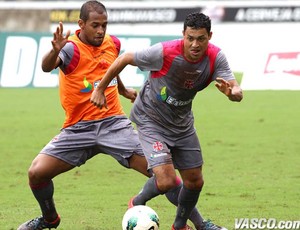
21	56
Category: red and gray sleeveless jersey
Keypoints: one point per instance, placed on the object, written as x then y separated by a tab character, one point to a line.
173	82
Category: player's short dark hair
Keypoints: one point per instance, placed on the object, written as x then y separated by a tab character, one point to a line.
197	20
89	7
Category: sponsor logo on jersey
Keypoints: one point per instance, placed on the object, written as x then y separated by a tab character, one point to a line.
156	155
163	96
87	86
113	82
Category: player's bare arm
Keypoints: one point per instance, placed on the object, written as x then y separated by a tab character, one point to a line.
128	93
51	59
230	88
98	97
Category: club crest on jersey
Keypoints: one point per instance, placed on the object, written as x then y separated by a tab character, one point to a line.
54	139
157	146
189	84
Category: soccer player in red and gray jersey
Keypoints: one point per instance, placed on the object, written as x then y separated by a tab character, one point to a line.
83	58
179	69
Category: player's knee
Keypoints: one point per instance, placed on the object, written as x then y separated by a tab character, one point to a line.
200	183
167	183
34	174
195	183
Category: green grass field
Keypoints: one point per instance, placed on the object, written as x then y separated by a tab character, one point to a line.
251	151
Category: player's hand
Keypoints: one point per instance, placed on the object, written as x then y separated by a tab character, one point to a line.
223	86
231	89
59	39
130	94
236	94
98	99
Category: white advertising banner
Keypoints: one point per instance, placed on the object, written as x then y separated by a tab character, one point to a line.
273	71
267	54
273	61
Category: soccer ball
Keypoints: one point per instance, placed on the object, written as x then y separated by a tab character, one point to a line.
140	217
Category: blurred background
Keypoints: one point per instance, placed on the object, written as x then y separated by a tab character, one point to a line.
260	38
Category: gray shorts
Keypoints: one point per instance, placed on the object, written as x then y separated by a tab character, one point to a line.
182	150
114	136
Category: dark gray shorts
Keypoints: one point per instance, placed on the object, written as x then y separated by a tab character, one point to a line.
114	136
160	148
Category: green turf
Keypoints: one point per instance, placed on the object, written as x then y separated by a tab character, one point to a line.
251	152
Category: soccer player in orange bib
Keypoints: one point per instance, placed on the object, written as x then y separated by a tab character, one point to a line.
83	59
